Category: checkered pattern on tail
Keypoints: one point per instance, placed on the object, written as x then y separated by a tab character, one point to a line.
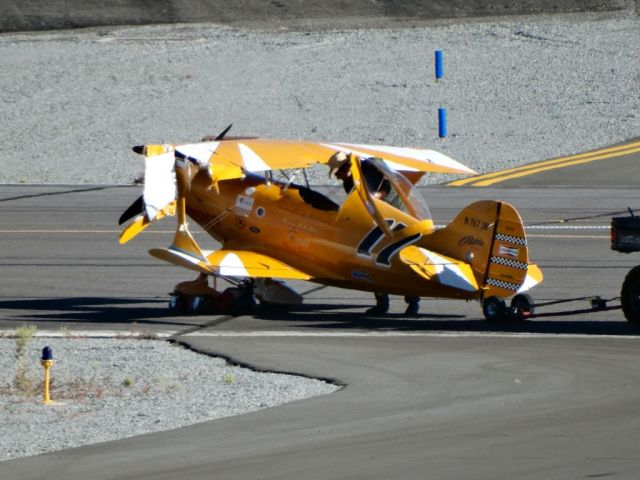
511	239
502	284
509	262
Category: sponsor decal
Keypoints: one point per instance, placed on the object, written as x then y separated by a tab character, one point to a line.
508	251
244	204
470	240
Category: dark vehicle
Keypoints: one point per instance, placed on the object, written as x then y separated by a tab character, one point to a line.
625	237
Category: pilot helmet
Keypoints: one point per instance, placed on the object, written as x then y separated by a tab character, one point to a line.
336	161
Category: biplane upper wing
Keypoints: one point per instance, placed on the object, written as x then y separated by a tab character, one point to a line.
228	159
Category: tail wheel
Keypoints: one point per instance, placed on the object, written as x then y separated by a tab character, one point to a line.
630	296
494	309
522	306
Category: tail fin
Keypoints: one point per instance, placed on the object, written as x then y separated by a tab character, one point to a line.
489	236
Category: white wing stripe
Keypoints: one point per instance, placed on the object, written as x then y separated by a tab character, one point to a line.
251	161
232	266
200	152
448	273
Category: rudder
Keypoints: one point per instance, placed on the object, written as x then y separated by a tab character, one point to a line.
489	236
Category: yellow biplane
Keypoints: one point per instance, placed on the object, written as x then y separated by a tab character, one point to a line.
273	229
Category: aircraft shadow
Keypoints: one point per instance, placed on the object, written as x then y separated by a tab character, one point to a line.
336	317
72	310
321	317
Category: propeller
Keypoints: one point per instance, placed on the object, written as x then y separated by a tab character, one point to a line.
136	208
220	136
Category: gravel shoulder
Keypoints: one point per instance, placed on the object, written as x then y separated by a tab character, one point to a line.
112	388
517	90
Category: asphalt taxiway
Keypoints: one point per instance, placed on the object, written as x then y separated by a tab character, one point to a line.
446	395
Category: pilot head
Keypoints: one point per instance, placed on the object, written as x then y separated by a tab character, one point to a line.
338	165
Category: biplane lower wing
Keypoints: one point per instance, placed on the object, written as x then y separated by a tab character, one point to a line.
229	263
238	263
437	267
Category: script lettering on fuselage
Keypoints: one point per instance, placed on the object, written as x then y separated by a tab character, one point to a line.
470	240
299	225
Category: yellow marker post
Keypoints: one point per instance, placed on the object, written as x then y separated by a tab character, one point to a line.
47	363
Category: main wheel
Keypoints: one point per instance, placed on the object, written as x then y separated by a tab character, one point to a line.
243	304
522	306
198	305
177	304
630	296
494	309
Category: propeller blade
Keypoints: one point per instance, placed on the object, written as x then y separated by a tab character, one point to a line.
136	208
224	132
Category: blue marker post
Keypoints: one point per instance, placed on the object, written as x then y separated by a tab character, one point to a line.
47	363
442	122
439	65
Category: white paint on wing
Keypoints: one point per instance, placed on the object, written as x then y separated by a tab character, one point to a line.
200	152
448	273
529	282
251	161
231	265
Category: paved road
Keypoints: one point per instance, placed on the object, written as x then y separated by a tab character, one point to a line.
620	169
446	395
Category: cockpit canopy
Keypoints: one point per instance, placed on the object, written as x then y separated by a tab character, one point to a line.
393	188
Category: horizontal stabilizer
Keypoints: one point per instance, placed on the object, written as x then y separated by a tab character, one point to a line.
533	278
443	269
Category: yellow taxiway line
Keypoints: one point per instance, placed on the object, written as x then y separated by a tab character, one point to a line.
510	173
